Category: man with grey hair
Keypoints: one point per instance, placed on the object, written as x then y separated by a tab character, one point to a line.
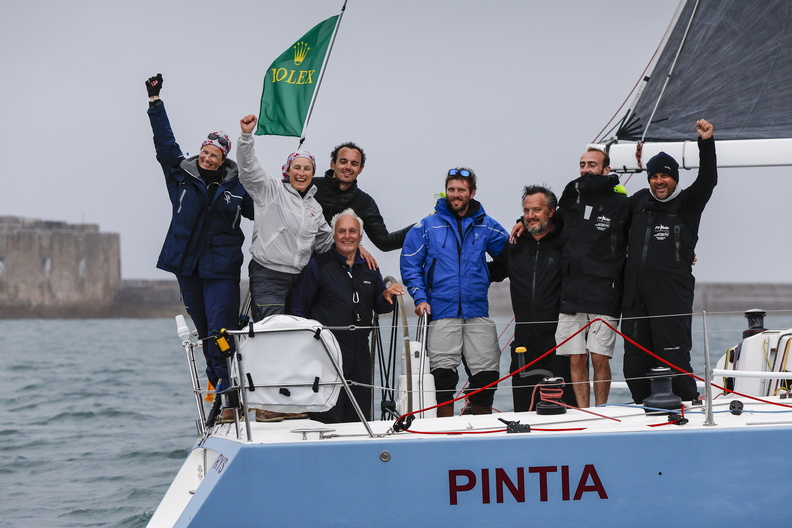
338	289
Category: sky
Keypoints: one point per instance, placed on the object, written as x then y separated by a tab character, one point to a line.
515	89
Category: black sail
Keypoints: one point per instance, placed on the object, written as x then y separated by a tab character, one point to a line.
734	69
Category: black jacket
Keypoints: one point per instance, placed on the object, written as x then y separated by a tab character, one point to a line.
333	200
534	271
596	215
663	237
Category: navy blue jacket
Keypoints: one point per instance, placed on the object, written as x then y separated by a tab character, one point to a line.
326	291
204	238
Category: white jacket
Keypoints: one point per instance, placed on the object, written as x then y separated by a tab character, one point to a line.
287	227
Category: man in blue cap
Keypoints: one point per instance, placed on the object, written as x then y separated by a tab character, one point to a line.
658	278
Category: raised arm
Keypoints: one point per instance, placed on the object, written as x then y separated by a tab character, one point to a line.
169	153
255	179
701	189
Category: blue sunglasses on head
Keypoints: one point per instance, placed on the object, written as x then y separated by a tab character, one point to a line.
459	172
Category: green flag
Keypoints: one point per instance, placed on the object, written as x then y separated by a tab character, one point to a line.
291	81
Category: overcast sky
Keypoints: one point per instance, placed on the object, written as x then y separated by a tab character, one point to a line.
514	89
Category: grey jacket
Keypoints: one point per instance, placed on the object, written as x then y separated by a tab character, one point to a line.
287	227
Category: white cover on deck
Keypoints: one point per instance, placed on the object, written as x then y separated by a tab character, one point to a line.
286	368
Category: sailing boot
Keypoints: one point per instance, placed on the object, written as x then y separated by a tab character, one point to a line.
445	386
481	403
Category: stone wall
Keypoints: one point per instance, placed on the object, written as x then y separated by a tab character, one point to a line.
45	264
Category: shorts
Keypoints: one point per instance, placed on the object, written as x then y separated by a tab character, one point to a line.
597	338
476	338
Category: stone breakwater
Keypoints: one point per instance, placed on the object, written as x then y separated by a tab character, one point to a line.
52	269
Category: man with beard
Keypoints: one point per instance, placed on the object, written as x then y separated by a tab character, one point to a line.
596	211
338	190
533	266
658	275
444	267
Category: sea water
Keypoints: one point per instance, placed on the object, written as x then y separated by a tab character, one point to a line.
97	416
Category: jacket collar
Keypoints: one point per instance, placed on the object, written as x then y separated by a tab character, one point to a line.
596	184
190	166
332	182
475	210
342	259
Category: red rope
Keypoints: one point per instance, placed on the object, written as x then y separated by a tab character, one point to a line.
683	371
496	382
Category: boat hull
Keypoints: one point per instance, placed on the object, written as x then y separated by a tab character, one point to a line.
704	475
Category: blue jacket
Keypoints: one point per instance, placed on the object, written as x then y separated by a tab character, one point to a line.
204	238
444	261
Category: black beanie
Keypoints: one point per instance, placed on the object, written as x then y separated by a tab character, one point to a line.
664	164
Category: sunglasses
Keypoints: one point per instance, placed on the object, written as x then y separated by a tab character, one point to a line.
220	139
459	172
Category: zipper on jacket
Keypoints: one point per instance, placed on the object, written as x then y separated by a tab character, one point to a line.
181	198
645	249
533	279
677	241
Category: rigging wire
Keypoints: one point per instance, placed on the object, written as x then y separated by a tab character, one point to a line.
670	71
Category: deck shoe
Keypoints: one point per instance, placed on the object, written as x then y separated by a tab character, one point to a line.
226	416
295	416
263	415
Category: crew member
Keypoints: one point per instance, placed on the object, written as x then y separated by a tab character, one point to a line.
203	247
338	190
533	266
289	224
444	267
338	289
595	210
658	277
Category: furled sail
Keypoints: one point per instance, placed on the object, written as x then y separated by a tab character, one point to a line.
730	62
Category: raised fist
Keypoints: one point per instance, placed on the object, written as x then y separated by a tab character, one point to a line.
154	85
